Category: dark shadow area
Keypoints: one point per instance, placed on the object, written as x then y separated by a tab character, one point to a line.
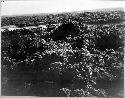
64	31
111	41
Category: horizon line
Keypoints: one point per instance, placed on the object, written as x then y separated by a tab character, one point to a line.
79	11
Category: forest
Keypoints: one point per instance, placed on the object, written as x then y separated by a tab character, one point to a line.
81	56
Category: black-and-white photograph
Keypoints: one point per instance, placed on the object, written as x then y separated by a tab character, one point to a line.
62	48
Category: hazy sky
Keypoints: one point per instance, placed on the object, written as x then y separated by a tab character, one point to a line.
49	6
